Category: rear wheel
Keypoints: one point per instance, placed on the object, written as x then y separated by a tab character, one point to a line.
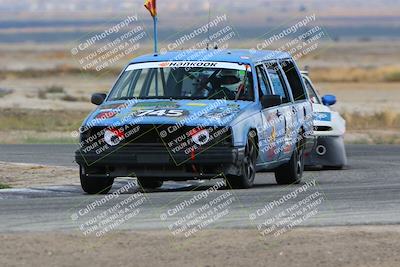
292	172
248	167
149	183
95	185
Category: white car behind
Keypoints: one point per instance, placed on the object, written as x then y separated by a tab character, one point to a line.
329	129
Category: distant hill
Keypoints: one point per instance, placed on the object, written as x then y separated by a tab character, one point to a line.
60	21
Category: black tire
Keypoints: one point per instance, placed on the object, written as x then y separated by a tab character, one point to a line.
149	183
292	172
247	167
96	185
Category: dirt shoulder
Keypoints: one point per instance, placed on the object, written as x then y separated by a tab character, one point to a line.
19	175
332	246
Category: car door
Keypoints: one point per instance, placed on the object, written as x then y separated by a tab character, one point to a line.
272	123
280	87
301	108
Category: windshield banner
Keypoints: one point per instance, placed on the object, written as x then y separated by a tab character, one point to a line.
186	64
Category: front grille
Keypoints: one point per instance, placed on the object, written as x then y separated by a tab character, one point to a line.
170	136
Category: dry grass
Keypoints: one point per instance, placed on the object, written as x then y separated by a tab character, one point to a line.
360	74
4	92
380	120
57	71
55	89
4	186
378	128
58	92
41	121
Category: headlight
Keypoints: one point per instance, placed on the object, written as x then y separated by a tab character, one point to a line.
113	136
201	137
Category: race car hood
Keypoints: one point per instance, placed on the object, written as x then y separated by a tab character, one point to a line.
159	112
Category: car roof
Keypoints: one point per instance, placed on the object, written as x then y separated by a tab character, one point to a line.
244	56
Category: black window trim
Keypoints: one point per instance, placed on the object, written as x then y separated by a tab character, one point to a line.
312	88
306	96
265	75
288	87
280	73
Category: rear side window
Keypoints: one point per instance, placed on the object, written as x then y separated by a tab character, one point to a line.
311	92
294	80
278	83
263	81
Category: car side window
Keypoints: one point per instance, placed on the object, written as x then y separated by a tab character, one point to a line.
311	92
263	81
278	84
294	80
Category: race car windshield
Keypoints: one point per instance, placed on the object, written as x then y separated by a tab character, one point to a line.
184	80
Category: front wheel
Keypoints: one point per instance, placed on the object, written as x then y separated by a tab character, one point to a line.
95	185
292	172
248	167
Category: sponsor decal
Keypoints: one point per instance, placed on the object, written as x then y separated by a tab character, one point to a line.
273	134
106	115
188	64
222	112
191	64
322	116
112	106
196	104
156	105
173	113
287	149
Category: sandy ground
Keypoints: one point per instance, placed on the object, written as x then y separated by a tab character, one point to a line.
333	246
352	97
18	175
22	137
26	91
363	97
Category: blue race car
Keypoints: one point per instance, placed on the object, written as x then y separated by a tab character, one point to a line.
171	117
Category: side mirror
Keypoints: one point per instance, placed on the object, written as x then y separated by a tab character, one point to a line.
98	98
269	101
329	100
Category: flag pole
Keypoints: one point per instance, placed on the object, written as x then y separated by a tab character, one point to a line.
155	21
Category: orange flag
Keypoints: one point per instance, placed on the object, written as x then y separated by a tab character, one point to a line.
151	6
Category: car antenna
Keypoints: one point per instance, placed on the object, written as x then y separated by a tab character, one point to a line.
208	25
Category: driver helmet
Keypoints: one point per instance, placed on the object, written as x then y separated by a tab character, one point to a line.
229	79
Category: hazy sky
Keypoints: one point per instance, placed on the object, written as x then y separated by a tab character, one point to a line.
325	7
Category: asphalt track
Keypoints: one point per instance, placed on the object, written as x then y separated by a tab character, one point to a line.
365	193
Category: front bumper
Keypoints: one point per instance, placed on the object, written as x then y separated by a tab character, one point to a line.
157	161
329	151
